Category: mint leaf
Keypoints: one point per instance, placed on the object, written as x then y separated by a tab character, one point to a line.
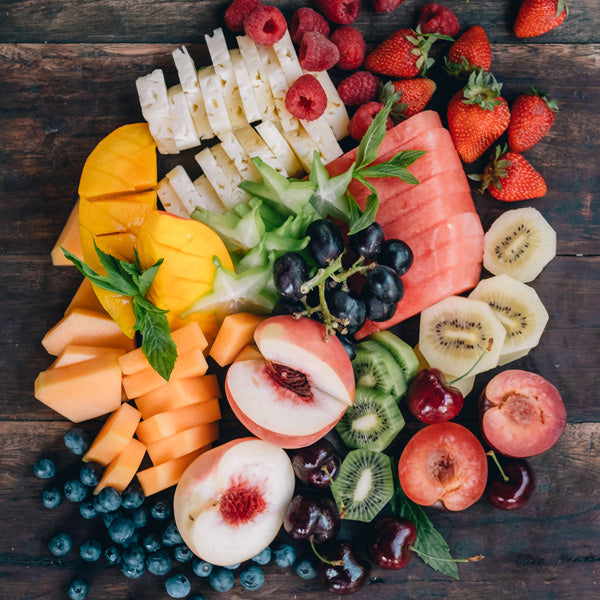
368	216
144	281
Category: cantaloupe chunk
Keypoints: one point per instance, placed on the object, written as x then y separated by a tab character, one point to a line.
87	328
208	323
160	477
249	352
82	391
236	331
171	422
74	353
85	297
188	364
122	469
182	443
114	435
187	338
178	393
69	239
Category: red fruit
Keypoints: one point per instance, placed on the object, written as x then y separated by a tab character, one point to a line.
384	6
237	11
514	493
351	45
391	542
306	19
435	18
265	25
403	54
358	88
470	52
531	118
414	95
343	12
363	117
509	177
477	116
430	399
317	53
306	98
539	16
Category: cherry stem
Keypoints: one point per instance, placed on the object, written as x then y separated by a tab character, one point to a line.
493	456
421	554
333	563
489	347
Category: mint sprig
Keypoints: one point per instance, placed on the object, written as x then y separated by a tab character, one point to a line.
129	279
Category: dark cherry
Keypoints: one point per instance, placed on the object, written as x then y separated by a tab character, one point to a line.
307	517
430	399
349	575
311	463
515	492
391	541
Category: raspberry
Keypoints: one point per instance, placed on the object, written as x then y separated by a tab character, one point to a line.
351	45
237	11
317	53
435	18
358	88
306	19
306	98
343	12
385	6
363	117
265	25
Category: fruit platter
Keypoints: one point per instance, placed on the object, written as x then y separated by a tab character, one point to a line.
300	299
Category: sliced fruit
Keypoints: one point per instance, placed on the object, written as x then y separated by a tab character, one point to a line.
402	352
236	332
520	243
74	353
85	297
375	367
181	443
122	468
69	239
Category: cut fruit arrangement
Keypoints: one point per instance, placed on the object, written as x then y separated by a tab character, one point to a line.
290	287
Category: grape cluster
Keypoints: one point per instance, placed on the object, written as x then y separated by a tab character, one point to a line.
315	283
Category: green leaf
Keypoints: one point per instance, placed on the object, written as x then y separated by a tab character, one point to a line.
368	216
147	277
389	170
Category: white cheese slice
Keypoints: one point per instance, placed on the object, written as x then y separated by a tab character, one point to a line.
217	176
322	134
335	113
239	156
184	131
258	78
288	59
188	77
216	109
208	197
170	200
251	109
186	191
303	146
231	172
255	147
279	146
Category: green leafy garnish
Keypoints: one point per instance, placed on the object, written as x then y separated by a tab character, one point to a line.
129	279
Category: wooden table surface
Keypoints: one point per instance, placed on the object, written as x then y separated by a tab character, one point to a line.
67	73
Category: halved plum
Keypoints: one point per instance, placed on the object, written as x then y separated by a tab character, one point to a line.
443	464
521	413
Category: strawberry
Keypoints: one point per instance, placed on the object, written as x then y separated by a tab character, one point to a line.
414	95
403	54
539	16
477	115
471	51
510	177
531	117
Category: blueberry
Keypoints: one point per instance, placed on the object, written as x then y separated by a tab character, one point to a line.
44	468
90	473
134	555
60	544
133	571
112	555
139	516
252	578
90	550
221	580
87	510
202	568
263	558
77	440
160	510
120	530
198	597
305	569
233	567
182	553
51	497
158	563
178	586
110	517
171	535
108	500
78	589
151	542
133	496
285	556
74	490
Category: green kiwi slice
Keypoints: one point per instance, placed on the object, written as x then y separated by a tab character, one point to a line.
372	422
402	352
376	368
364	485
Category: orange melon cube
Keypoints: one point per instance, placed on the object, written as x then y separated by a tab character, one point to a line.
122	469
182	443
114	435
171	422
160	477
87	328
249	352
85	297
236	331
74	353
70	239
83	390
178	393
187	338
188	364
